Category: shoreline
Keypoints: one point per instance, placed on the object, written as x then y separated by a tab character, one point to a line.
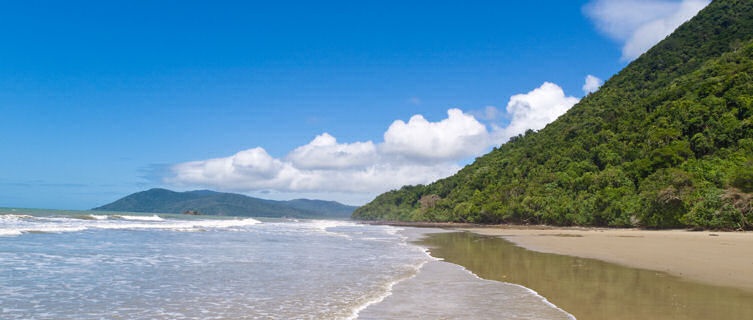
465	294
719	258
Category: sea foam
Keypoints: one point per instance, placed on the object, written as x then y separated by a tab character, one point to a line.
15	225
141	218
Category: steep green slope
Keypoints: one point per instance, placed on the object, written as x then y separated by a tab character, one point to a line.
225	204
667	142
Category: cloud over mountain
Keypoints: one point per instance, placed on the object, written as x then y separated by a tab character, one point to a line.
640	24
458	136
592	84
418	151
534	110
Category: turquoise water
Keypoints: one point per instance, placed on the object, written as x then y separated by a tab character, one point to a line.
94	265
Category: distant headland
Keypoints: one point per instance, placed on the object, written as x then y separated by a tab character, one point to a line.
206	202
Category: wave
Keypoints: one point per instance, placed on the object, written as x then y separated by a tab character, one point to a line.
387	291
141	218
40	229
15	225
391	284
323	226
227	223
10	232
7	217
529	290
90	217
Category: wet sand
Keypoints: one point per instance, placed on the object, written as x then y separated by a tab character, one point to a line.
716	258
443	290
590	288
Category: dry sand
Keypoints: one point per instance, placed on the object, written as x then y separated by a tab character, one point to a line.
718	258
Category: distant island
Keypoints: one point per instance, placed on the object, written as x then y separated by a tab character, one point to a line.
206	202
665	143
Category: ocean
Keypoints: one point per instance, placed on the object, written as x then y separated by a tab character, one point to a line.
94	265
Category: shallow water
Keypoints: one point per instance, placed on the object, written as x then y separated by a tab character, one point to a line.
94	265
68	265
444	290
588	288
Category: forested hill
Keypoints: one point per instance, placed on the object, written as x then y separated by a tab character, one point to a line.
667	142
226	204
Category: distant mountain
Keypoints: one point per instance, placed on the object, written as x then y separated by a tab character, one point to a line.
667	142
226	204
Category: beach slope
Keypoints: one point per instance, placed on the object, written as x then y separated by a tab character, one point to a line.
717	258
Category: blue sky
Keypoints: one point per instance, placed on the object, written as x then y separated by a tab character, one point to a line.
102	99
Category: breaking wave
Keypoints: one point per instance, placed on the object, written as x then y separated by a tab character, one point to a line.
16	225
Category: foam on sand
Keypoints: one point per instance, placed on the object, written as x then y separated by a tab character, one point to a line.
464	296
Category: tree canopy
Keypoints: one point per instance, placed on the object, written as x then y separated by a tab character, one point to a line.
667	142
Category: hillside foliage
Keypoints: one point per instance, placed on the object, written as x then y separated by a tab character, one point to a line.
667	142
225	204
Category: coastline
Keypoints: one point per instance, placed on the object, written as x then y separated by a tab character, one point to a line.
589	288
711	257
446	290
715	258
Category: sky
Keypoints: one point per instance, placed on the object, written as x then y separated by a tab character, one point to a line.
335	100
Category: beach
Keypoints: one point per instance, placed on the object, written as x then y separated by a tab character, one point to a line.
716	258
136	265
587	286
445	290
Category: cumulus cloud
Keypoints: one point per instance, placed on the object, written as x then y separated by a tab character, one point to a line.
256	170
415	152
325	153
640	24
534	110
458	136
418	151
592	84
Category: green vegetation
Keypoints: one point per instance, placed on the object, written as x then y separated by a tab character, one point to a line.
667	142
226	204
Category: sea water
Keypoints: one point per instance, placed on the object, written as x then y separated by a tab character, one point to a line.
93	265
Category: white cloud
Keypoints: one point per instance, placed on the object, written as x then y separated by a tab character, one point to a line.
534	110
255	170
326	166
325	153
252	169
458	136
414	152
640	24
592	84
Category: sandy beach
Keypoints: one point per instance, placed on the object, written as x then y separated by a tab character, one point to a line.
590	274
717	258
